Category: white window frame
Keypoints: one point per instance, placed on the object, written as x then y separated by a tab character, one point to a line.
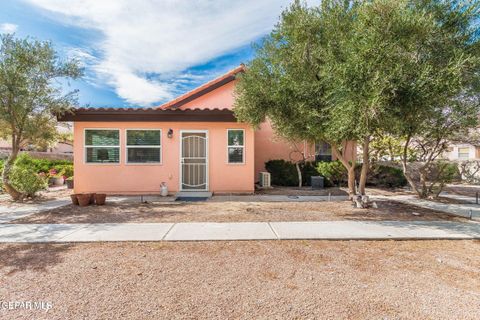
233	146
85	146
145	146
468	153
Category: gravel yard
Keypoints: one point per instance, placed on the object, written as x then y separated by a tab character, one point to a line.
233	211
245	280
46	195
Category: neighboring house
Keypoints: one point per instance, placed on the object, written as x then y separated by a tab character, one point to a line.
192	143
461	152
61	150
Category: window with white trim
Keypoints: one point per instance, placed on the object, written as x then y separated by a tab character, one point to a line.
463	152
102	146
144	146
236	145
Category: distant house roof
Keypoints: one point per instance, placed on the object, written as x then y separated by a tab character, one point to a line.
166	112
203	89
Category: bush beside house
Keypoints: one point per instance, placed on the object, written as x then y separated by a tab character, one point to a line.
284	173
30	175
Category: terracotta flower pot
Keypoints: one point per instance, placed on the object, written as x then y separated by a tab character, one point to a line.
58	181
100	199
83	199
74	199
92	198
69	184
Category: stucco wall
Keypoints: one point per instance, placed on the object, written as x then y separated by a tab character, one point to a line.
222	97
146	178
270	147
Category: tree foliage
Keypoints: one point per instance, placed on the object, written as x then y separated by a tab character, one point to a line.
30	94
346	70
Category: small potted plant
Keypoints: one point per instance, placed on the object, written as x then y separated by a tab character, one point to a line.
69	182
56	178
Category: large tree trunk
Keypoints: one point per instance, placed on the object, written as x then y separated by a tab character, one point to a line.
299	172
7	170
350	170
405	167
365	164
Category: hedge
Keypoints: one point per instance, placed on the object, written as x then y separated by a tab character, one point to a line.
284	173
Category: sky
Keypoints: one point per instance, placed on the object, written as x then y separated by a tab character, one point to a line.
139	53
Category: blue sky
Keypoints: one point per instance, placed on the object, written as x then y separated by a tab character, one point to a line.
144	52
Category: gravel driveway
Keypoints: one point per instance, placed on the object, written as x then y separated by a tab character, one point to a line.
245	280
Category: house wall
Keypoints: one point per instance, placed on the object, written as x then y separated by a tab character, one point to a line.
222	97
125	178
270	147
453	152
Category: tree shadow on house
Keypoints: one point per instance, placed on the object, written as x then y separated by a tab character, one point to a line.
31	257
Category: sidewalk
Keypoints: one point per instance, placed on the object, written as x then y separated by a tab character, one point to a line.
197	231
461	210
20	210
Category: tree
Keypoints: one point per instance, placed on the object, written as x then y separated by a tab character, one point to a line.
282	82
329	73
437	93
30	95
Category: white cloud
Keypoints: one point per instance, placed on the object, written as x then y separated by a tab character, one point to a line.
8	28
163	36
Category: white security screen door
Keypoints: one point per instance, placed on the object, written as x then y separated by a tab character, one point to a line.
193	160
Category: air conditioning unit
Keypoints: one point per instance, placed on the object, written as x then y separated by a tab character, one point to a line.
265	180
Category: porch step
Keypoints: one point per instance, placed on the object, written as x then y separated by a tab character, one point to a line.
193	194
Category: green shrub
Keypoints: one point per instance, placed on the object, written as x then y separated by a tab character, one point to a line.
67	169
385	176
284	173
27	181
334	173
43	165
308	170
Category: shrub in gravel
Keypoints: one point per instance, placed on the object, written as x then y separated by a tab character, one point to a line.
27	181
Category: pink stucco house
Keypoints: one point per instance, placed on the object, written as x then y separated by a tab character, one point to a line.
192	143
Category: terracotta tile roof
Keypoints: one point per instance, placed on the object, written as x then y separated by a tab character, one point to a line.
131	109
203	89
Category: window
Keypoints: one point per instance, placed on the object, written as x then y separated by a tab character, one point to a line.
102	146
236	145
323	151
463	152
144	146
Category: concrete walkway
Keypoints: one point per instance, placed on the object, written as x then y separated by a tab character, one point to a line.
19	210
199	231
461	210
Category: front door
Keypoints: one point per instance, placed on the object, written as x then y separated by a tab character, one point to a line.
193	161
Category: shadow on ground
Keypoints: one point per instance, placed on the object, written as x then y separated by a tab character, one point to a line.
36	257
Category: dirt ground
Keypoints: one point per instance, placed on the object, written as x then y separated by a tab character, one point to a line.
245	280
46	195
303	191
232	211
463	189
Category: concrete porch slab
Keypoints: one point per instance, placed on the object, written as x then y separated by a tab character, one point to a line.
199	194
220	231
